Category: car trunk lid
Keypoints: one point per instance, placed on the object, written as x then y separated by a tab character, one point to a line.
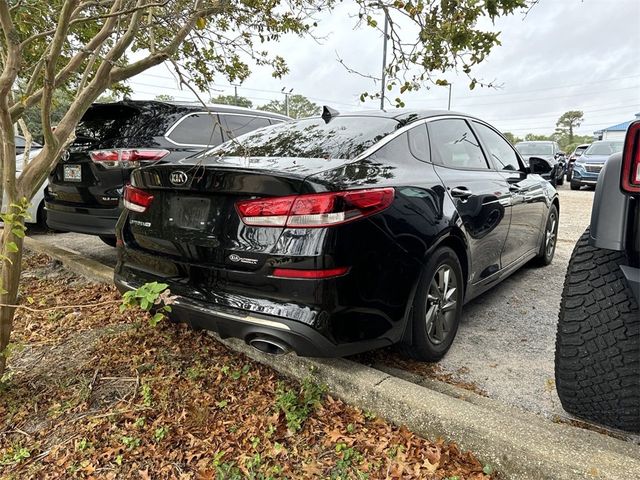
193	214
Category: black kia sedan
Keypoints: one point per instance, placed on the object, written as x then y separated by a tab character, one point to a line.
338	234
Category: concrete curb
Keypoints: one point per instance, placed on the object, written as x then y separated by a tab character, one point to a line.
94	271
518	444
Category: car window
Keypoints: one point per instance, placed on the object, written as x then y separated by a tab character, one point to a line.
235	125
20	142
604	148
197	129
419	143
454	145
500	151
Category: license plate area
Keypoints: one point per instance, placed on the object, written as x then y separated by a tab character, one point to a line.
188	212
72	173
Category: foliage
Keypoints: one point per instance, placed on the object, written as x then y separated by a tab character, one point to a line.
236	100
163	97
567	122
299	106
76	417
150	296
298	405
512	138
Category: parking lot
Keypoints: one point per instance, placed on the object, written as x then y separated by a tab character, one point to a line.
505	344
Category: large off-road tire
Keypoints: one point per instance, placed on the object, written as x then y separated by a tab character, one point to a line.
437	307
549	239
597	360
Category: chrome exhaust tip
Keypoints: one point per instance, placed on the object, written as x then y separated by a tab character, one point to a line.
269	346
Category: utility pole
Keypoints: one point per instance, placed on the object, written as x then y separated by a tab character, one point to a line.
449	104
286	100
235	89
384	60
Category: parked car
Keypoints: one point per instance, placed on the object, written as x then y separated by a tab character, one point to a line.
548	151
598	342
587	168
21	143
85	187
579	150
338	234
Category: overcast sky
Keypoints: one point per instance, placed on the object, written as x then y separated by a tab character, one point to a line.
565	55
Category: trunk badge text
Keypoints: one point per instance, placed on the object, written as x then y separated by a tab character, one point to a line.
178	177
238	259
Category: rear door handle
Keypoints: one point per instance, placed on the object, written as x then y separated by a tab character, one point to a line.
515	189
460	192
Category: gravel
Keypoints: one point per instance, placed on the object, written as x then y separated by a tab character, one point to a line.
506	341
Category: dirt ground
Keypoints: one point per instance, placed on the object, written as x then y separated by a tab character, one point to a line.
100	394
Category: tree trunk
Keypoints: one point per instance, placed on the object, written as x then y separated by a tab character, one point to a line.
9	281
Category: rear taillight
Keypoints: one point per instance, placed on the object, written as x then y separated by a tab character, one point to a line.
310	274
630	179
126	158
136	200
316	209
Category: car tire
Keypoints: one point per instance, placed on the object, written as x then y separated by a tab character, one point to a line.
549	239
568	176
575	186
41	217
597	359
560	181
109	240
434	318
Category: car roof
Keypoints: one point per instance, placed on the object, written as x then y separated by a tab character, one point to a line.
536	141
402	115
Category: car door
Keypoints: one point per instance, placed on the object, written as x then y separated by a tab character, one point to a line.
480	193
527	197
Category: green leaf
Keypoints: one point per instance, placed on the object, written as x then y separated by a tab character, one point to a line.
156	319
18	232
12	247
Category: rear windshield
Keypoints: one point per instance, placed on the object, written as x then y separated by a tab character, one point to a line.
343	137
579	150
604	148
535	148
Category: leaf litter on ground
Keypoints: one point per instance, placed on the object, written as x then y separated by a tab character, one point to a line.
99	394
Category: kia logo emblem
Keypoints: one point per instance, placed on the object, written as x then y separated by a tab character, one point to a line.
234	258
178	177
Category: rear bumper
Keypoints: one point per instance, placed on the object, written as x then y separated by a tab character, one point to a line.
247	326
92	221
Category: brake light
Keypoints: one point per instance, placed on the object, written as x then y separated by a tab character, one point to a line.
126	158
316	209
136	200
310	274
630	179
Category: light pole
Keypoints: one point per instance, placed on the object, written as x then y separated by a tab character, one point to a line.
286	100
449	104
384	59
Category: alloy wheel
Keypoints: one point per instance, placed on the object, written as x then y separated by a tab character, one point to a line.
551	234
441	304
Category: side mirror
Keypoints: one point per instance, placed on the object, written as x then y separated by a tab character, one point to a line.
539	165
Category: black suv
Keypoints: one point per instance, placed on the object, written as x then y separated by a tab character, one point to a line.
598	340
114	138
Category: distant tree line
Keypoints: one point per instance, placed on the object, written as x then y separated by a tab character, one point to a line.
564	133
